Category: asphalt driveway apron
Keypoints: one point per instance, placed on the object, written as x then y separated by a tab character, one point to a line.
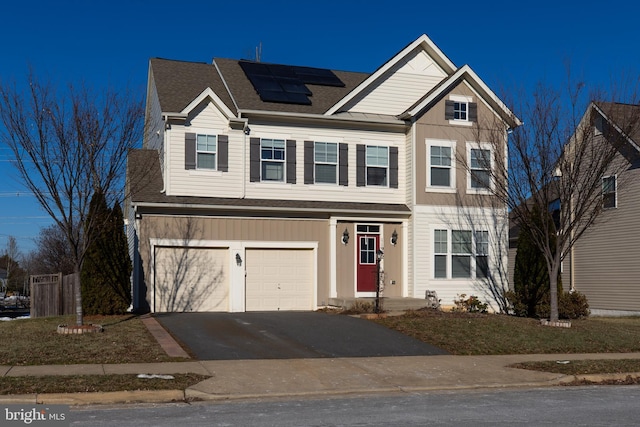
287	335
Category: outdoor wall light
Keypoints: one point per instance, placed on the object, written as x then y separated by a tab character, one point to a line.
247	130
394	237
345	236
238	259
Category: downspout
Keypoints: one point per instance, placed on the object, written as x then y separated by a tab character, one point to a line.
167	127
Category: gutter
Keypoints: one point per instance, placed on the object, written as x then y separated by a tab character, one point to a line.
391	122
269	209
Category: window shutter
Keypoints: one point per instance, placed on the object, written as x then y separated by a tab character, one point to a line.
343	161
360	165
393	167
291	161
223	153
473	112
448	110
308	162
189	150
254	160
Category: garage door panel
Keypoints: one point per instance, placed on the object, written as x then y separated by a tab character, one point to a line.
191	279
279	279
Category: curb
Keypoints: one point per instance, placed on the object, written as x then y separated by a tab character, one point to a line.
97	398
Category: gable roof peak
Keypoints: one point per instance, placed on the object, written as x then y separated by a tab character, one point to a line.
424	43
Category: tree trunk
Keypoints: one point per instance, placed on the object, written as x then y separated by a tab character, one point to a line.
78	289
553	295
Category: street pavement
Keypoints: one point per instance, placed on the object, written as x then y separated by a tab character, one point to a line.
275	378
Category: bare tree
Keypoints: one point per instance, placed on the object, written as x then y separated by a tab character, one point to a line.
556	162
68	145
53	253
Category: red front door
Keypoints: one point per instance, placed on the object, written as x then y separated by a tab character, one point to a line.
368	246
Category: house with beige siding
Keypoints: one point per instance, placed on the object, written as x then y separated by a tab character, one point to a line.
605	263
281	187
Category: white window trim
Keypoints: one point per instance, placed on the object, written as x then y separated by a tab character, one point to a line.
366	165
215	153
283	162
336	164
481	146
452	170
473	255
461	98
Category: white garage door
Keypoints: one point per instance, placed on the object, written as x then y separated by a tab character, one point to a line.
279	279
191	279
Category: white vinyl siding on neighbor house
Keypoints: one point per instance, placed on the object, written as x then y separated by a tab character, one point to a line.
401	87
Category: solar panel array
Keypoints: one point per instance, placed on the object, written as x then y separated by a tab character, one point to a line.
287	83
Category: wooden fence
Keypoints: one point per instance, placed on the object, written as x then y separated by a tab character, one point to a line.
53	294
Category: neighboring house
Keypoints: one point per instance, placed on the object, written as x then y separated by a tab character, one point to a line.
605	266
274	187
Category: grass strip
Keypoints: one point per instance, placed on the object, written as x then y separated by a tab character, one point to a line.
93	383
583	367
36	342
493	334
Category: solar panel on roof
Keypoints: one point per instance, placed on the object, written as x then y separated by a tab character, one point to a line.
286	83
285	97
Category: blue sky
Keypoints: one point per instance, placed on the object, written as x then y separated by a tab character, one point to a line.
510	45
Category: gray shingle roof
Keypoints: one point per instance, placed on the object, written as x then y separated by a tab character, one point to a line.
179	82
145	180
624	115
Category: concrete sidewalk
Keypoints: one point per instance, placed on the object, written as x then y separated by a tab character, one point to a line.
243	379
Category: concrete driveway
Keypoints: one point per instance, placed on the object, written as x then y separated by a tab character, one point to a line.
287	335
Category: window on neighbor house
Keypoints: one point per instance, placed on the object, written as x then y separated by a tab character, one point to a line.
272	159
480	168
325	162
440	250
206	151
609	192
377	165
440	166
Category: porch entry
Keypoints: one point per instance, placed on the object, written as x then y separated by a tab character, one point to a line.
368	246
